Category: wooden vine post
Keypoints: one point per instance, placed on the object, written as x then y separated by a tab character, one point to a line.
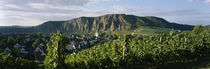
124	50
160	39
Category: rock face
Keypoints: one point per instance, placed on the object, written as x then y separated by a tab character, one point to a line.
105	23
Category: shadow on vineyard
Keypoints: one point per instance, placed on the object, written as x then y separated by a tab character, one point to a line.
184	50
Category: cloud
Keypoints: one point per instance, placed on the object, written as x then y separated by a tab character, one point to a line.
183	16
49	4
12	6
1	13
121	9
42	6
30	18
35	12
111	0
205	1
53	2
57	2
90	2
193	0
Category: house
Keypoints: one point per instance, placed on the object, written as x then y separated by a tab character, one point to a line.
79	47
17	45
23	51
37	49
77	37
43	54
39	54
72	36
72	42
70	47
7	49
42	44
96	35
27	39
93	41
84	37
82	44
85	42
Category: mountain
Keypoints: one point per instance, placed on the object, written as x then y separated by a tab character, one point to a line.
15	29
106	23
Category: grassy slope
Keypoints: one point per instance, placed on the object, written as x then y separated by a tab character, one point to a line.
146	31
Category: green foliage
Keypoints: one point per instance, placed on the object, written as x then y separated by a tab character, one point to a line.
54	58
36	43
199	29
7	61
9	40
153	50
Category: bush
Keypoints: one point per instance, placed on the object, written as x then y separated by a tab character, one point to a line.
7	61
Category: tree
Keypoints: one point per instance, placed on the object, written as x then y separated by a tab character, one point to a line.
10	41
36	43
54	58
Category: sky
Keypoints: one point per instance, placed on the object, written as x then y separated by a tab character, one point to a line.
35	12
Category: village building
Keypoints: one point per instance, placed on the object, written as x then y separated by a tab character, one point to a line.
70	47
23	51
77	37
7	49
96	34
42	44
79	47
27	39
85	42
93	41
17	45
37	49
84	37
39	53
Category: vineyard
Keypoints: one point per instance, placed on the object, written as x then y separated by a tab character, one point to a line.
127	51
154	50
